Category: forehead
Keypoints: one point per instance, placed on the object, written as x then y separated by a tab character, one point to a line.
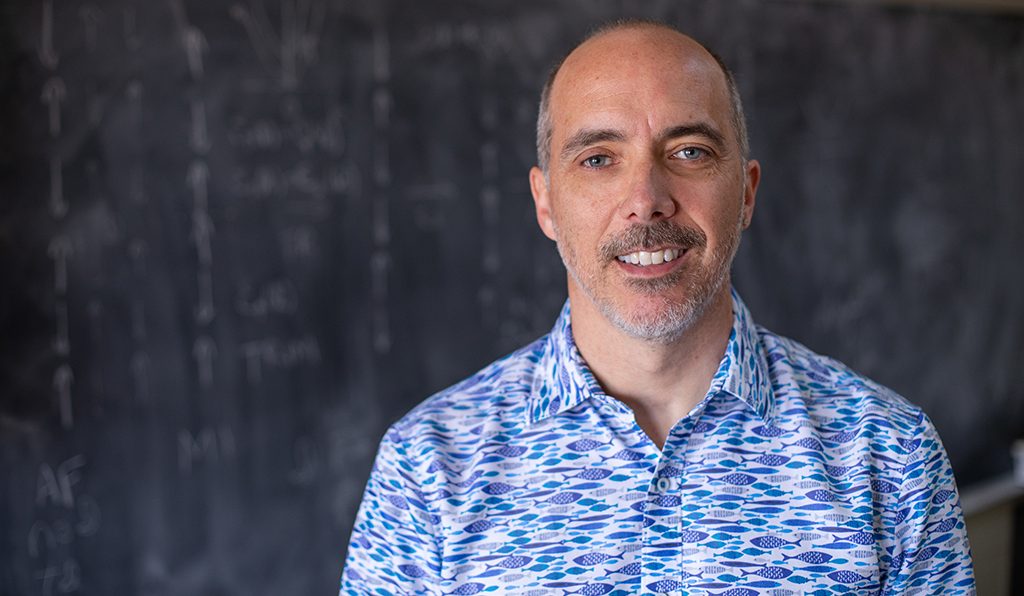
642	76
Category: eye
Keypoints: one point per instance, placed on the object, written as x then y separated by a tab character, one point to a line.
596	161
690	153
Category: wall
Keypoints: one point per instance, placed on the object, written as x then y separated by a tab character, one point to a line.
238	239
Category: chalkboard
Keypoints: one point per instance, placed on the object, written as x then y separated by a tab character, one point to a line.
238	239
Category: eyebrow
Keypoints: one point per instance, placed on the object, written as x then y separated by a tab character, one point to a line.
697	128
590	136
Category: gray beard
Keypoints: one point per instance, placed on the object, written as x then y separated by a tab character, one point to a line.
676	318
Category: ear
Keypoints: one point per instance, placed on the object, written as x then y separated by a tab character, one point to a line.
542	201
752	179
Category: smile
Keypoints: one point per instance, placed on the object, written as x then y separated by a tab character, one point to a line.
644	258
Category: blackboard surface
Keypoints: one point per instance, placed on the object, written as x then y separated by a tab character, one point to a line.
238	239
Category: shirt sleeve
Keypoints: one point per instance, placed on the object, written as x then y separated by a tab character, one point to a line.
393	548
932	555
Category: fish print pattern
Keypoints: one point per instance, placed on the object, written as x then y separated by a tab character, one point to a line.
793	476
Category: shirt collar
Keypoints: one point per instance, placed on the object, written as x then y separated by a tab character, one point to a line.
563	380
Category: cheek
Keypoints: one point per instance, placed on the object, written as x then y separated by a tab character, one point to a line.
574	222
725	210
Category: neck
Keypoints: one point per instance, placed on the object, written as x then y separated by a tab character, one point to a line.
660	382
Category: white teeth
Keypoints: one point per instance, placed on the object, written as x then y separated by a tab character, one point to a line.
644	258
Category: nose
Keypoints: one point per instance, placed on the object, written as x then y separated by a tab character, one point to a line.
648	197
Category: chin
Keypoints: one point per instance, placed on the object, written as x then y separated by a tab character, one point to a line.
655	318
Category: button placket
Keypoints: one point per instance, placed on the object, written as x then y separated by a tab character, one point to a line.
662	538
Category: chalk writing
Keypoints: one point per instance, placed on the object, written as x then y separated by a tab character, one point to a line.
58	207
56	485
62	380
282	354
211	445
53	95
131	35
195	44
204	351
205	311
63	578
278	297
295	48
91	18
345	444
89	517
381	54
446	35
59	250
41	533
303	189
198	138
299	243
202	231
47	53
305	134
46	536
198	174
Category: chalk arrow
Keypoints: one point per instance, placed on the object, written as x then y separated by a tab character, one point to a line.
91	17
381	108
58	207
54	93
202	230
195	45
131	38
379	263
59	250
204	351
47	54
62	343
196	179
381	55
205	312
62	380
198	138
381	222
265	47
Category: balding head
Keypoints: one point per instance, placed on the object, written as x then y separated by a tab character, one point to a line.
620	36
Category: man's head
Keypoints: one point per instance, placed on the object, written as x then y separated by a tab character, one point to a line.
739	120
642	151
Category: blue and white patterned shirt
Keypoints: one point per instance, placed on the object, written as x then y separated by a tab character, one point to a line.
794	475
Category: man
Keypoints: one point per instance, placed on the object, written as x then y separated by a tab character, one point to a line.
656	441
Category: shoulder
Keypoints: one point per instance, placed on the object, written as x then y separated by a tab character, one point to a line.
495	399
832	392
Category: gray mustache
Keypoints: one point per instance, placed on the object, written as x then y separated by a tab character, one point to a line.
647	237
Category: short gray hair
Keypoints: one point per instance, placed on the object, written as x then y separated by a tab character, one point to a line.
739	120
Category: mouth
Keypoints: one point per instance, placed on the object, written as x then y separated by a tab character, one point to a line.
651	258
